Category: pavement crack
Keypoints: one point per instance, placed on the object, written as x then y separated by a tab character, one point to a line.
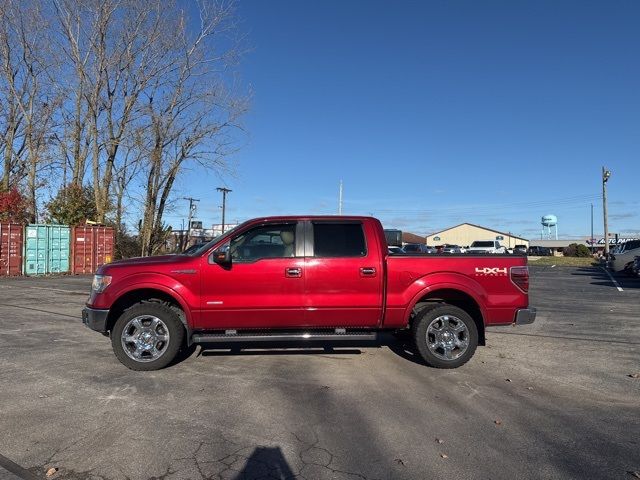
313	448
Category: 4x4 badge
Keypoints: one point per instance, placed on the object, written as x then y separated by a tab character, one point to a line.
496	271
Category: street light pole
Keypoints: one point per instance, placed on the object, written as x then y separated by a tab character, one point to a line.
605	176
191	208
224	202
591	242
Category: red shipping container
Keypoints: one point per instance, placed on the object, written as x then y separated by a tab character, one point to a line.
11	244
91	247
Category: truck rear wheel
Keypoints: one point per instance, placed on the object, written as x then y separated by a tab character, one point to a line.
445	336
147	336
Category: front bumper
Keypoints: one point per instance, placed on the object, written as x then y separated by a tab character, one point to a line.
525	316
95	319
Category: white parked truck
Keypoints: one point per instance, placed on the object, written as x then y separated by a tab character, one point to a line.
486	246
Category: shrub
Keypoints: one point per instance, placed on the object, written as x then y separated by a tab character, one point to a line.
583	251
73	205
576	250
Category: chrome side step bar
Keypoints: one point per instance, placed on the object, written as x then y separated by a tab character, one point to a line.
283	336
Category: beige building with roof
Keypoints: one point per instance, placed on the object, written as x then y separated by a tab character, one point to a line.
466	233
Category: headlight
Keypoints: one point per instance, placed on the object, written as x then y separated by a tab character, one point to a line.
100	282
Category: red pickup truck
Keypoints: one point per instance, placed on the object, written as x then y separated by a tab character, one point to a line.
304	278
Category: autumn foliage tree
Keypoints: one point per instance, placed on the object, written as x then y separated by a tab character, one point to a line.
72	205
13	207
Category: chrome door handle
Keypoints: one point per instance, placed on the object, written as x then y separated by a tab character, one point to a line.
293	272
367	272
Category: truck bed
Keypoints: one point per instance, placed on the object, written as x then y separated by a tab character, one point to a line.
485	278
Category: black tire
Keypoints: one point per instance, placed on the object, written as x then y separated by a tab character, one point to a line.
168	326
467	336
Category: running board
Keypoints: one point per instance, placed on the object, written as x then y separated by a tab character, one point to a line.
282	337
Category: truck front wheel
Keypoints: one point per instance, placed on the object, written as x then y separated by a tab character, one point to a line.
147	336
445	336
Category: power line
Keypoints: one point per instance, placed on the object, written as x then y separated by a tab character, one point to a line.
492	209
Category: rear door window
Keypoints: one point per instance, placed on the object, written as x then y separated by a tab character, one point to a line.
338	240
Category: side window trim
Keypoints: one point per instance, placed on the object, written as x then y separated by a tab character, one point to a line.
310	241
300	239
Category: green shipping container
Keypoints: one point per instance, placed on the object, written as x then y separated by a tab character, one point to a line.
46	249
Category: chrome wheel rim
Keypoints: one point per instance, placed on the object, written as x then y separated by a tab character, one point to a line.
145	338
447	337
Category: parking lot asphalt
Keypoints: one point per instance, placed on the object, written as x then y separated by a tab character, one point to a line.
554	399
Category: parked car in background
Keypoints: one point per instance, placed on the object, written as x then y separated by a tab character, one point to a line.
624	257
520	250
418	248
539	252
486	246
635	267
616	248
394	250
448	248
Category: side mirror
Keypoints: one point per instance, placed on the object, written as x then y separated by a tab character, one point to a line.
222	257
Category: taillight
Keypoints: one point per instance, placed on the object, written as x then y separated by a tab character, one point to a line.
520	278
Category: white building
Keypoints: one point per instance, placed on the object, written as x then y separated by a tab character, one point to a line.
466	233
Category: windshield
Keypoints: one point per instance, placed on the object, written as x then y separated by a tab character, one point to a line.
206	246
482	244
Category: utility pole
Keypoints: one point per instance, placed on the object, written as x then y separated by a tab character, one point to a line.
340	200
591	242
191	209
605	176
224	191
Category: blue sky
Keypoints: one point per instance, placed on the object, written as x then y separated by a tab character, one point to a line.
435	113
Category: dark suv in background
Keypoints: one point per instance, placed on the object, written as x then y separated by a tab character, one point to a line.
539	252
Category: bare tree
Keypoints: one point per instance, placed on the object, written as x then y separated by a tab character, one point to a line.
32	102
127	171
74	142
117	48
130	94
11	93
190	112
